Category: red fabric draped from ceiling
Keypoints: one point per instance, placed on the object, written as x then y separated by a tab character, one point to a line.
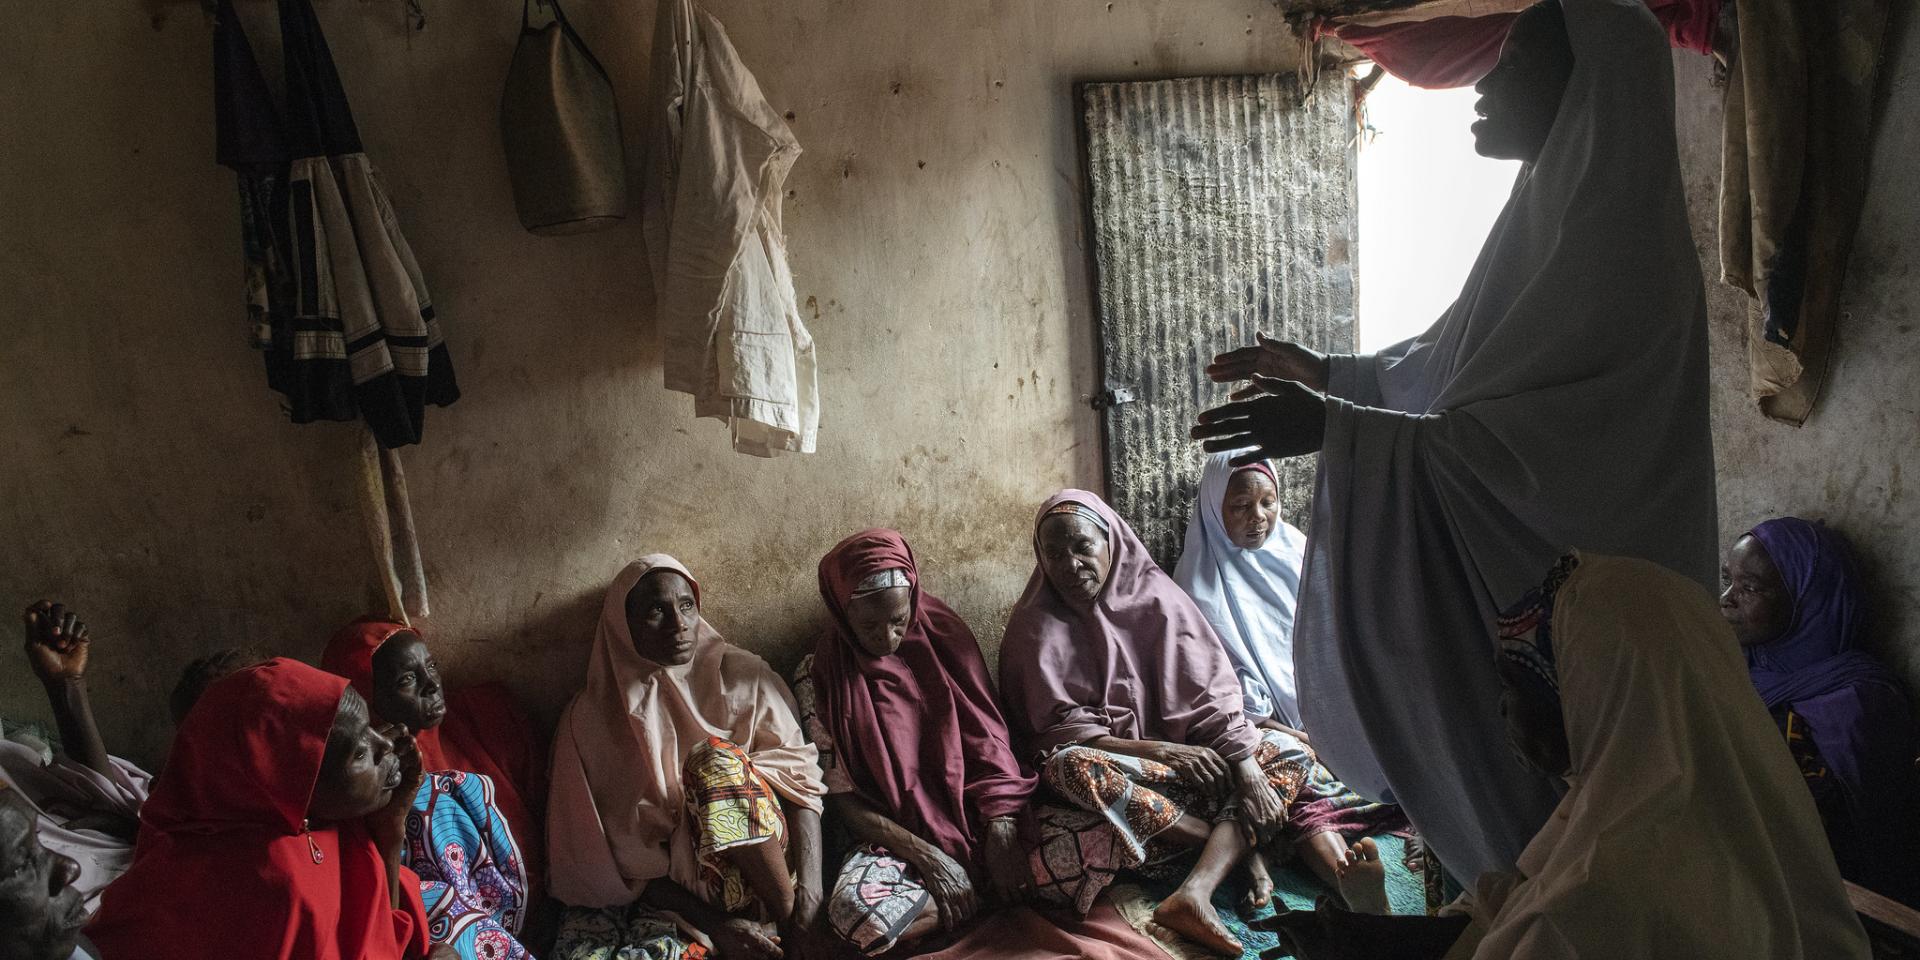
1457	51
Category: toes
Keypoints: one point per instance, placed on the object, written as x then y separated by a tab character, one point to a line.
1364	849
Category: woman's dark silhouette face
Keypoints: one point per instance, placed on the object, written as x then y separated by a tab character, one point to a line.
1520	96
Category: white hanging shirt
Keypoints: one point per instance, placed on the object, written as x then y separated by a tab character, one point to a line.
717	158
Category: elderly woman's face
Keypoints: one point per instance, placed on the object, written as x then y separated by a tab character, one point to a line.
1520	96
664	617
360	770
1536	729
879	620
406	683
1076	556
1250	509
1753	597
41	912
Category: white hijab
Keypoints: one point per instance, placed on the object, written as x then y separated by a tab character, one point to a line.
1248	595
1687	830
1562	398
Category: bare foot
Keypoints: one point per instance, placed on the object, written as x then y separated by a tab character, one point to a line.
1194	918
1363	881
1259	884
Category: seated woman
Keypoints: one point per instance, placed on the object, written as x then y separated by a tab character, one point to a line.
683	788
917	759
41	910
1123	693
1794	602
481	894
86	801
1684	831
1241	566
275	834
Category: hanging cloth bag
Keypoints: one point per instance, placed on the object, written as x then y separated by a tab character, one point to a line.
561	129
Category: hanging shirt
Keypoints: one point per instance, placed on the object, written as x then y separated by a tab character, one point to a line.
335	296
717	157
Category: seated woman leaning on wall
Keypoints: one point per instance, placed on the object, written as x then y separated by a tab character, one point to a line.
470	836
87	802
682	787
1241	565
1794	600
1684	831
274	834
1122	692
917	760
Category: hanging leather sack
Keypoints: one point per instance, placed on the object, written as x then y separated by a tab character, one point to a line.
561	129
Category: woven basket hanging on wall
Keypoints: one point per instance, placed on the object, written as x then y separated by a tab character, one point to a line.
561	129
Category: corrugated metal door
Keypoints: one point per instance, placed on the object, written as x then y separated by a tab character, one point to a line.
1220	206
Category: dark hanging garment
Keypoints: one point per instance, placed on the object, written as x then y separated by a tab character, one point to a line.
342	312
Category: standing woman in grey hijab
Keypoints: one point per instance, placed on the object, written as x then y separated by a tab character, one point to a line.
1561	399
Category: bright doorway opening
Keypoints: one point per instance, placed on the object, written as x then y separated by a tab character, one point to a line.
1426	202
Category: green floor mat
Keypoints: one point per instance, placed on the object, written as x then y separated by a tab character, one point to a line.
1296	888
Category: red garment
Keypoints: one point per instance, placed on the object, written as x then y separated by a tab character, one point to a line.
226	865
1458	51
1023	933
919	731
484	732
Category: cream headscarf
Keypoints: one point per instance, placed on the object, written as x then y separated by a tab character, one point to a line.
616	816
1686	830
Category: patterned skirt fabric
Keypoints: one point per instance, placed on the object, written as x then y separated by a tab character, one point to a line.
471	875
1325	805
730	806
1119	804
633	932
876	898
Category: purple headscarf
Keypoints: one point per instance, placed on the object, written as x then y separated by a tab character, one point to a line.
1853	707
1820	652
1140	664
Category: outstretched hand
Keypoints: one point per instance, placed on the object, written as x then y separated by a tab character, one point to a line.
56	642
1285	419
1274	359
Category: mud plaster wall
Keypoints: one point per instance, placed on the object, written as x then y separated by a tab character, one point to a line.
936	235
1853	464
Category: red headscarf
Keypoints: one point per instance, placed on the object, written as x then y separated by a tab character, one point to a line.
484	732
226	864
918	732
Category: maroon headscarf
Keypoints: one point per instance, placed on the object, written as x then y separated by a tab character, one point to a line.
918	731
1140	664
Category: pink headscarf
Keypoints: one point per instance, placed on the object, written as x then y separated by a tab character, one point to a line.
1140	664
918	730
616	817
